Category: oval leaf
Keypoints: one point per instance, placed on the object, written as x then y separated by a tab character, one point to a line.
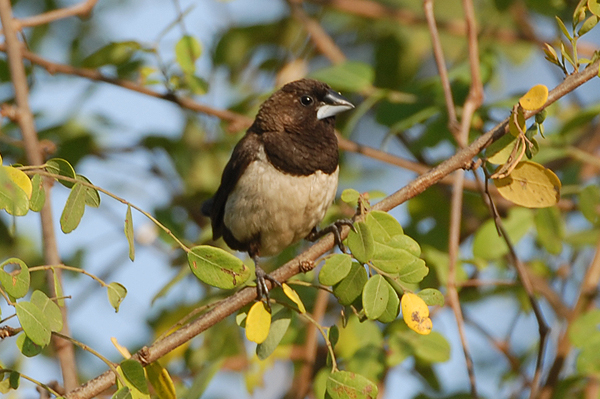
27	346
416	313
535	98
92	197
530	185
336	267
361	242
38	194
20	179
351	286
16	283
344	384
12	197
60	167
34	323
116	293
187	51
258	323
74	209
375	296
279	325
392	308
134	373
48	308
383	226
217	267
432	297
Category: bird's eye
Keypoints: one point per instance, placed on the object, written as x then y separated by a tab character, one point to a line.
306	100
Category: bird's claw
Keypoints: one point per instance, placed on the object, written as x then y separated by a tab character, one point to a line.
334	228
262	290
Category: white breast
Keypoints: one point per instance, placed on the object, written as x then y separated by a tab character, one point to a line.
282	208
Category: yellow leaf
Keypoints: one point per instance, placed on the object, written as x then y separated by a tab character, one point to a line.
530	185
416	313
516	124
258	323
122	350
535	98
20	179
293	295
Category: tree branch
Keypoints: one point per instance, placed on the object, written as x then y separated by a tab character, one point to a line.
235	302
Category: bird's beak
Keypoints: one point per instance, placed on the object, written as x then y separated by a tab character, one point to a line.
333	104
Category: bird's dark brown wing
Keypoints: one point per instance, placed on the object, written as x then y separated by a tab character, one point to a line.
243	154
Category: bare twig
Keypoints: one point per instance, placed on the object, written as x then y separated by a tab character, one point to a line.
64	349
320	38
82	9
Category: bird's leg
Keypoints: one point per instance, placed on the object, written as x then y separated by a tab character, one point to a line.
334	228
261	284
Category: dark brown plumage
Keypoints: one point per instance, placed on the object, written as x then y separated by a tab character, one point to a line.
282	175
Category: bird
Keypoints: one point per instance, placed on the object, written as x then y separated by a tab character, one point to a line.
282	176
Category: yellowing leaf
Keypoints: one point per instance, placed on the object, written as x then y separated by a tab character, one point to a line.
530	185
161	381
516	124
416	313
20	179
258	323
535	98
293	295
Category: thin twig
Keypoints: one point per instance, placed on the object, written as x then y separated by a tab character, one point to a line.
82	9
64	350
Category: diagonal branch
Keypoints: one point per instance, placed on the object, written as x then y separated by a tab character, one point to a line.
233	303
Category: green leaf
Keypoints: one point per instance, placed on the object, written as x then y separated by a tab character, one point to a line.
16	283
92	197
350	76
414	272
74	209
129	233
134	373
589	203
14	379
49	309
375	296
187	51
392	307
361	242
115	53
60	167
336	267
489	246
344	384
279	325
27	346
38	194
116	293
34	323
563	28
217	267
161	381
499	151
383	226
588	25
432	297
432	348
351	286
350	196
550	228
585	329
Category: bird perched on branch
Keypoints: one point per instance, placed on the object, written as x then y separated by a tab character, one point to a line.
282	175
